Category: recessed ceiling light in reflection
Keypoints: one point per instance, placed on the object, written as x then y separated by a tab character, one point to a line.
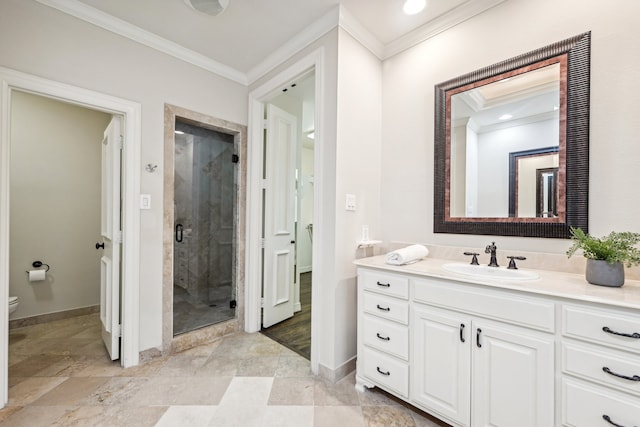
411	7
505	117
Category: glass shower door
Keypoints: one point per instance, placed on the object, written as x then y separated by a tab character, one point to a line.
204	228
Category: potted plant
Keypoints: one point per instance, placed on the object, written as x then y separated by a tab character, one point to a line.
606	256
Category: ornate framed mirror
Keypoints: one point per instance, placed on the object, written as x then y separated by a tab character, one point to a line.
512	145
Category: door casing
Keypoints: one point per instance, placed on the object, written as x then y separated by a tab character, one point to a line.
11	80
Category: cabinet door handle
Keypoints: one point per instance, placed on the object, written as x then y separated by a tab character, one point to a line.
608	330
478	332
461	332
610	372
382	372
383	338
607	418
383	308
384	285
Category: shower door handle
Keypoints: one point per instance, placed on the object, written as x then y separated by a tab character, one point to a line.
179	232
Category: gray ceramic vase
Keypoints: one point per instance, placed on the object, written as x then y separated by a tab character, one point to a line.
604	274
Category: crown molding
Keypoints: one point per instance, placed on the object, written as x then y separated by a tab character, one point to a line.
351	25
298	42
118	26
442	23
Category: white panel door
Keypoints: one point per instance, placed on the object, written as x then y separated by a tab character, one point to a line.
513	377
110	231
279	216
441	363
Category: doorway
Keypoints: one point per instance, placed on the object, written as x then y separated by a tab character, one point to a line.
288	171
13	81
204	228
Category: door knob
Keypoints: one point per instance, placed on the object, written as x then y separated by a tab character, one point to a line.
100	245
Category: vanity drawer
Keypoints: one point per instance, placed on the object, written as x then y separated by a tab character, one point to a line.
589	362
387	336
525	311
587	405
386	371
384	283
605	327
386	306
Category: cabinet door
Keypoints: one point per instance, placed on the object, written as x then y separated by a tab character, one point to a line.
513	383
440	380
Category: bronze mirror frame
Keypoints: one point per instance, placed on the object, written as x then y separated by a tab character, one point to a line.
577	50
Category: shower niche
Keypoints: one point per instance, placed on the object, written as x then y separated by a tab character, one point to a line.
204	226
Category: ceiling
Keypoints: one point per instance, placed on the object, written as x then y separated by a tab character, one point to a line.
248	32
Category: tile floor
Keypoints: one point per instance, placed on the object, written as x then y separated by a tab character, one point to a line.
59	375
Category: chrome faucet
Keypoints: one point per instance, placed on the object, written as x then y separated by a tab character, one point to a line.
491	249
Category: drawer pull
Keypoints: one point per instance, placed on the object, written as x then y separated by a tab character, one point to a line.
383	338
383	308
384	285
461	332
382	372
610	372
478	332
608	330
607	418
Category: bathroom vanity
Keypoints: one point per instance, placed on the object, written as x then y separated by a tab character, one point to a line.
555	351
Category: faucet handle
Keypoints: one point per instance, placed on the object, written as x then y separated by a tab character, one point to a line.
512	263
474	259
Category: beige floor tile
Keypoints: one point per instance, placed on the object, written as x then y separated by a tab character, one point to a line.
30	366
168	391
71	391
181	366
219	367
288	416
340	393
116	391
292	391
387	416
35	416
238	415
31	389
333	416
249	391
190	415
293	366
261	366
111	416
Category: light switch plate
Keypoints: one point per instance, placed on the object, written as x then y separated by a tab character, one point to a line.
350	202
145	201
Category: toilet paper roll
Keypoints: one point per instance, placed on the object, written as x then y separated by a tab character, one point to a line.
36	275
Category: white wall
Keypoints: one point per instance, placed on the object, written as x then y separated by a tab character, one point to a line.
358	171
62	48
512	28
55	203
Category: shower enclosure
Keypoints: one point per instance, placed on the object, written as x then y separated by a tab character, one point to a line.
204	288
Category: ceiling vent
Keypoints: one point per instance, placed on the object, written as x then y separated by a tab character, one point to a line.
210	7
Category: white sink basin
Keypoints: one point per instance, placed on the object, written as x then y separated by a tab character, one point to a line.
486	272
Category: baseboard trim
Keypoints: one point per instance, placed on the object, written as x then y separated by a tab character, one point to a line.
50	317
335	375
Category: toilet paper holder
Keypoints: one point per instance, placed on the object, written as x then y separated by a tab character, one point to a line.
38	264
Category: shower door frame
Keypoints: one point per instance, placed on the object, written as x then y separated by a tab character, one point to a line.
171	343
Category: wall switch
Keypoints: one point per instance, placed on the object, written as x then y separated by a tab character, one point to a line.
145	201
351	202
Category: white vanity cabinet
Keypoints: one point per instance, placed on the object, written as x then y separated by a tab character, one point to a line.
600	367
477	356
474	370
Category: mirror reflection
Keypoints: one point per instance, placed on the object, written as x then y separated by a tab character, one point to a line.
491	121
511	145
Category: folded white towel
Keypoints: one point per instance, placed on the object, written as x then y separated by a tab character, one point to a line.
407	255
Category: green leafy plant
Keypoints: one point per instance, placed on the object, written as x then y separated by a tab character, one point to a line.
615	247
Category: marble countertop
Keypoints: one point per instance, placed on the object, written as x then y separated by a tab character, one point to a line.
552	283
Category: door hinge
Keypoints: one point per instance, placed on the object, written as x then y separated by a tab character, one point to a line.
261	302
264	124
235	158
121	142
262	243
119	237
118	331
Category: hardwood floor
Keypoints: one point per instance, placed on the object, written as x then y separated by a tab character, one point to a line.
295	333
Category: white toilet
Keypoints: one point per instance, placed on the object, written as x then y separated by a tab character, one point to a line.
13	304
